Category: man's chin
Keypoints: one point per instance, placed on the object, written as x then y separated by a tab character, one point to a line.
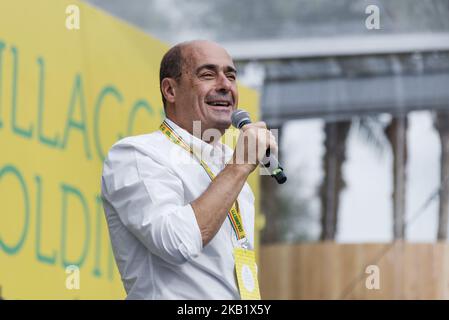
221	122
222	125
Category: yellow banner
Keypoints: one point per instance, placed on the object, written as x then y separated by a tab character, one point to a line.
73	80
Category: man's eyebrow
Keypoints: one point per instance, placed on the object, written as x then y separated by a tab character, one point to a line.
214	67
230	69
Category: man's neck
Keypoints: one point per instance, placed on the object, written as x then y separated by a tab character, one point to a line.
197	132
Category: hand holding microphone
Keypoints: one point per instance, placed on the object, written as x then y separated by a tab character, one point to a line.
263	142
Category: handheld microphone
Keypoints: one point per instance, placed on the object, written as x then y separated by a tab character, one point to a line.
240	118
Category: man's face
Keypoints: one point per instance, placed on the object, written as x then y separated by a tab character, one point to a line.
207	89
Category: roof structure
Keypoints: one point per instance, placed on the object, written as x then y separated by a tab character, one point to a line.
349	76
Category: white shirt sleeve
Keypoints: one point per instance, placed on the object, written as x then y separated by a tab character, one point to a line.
149	200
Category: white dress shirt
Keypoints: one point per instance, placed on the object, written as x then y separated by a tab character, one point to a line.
148	184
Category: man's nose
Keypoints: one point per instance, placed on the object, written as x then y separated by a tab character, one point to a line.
224	84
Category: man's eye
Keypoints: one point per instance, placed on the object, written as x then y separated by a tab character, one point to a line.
231	76
207	75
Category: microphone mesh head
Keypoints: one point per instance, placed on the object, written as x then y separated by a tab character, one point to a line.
239	116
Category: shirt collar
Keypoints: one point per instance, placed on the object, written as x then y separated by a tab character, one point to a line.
198	145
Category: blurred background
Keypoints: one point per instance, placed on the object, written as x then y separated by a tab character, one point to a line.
359	93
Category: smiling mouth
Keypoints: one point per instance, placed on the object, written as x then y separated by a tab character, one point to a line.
219	103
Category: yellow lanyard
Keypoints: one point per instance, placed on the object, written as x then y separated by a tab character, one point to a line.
234	213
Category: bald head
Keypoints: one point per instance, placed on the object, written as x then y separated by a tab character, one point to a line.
199	83
177	59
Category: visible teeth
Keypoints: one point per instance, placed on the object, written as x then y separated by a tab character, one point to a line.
219	103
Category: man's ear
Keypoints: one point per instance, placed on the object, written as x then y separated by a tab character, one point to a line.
168	89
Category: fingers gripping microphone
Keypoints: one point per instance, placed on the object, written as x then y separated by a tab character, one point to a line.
240	118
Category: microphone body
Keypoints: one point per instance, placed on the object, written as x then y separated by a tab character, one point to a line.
240	118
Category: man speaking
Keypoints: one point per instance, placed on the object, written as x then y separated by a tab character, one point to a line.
185	229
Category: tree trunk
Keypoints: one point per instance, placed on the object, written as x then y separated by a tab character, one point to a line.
396	133
442	126
270	204
336	134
